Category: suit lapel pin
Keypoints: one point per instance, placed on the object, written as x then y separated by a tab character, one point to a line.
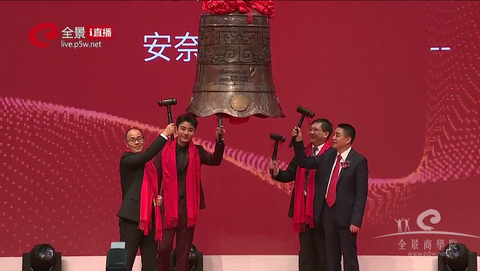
345	164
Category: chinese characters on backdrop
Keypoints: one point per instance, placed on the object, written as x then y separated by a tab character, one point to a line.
160	46
427	244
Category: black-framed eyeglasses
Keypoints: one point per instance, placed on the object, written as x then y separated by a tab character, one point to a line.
140	139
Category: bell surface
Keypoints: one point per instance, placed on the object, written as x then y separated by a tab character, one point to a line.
234	70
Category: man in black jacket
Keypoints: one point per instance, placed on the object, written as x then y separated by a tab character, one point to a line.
178	167
312	239
140	197
340	195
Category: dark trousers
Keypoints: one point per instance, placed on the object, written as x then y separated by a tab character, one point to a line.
339	239
134	238
312	249
183	245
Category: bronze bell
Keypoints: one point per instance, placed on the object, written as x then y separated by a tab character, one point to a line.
234	69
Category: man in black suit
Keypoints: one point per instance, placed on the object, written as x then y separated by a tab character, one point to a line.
139	196
178	167
312	237
340	196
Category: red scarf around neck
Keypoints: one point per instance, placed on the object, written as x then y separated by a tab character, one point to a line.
148	194
170	185
303	209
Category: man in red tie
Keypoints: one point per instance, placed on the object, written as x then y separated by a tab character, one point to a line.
312	237
340	194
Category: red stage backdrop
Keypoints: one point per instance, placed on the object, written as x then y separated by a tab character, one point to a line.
76	75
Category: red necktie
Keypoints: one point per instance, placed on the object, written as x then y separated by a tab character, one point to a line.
332	189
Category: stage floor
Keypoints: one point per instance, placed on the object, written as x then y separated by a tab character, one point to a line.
248	263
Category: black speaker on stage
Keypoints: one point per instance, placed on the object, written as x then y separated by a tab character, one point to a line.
457	257
195	260
42	257
117	259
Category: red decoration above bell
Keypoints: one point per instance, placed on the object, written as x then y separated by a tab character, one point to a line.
234	71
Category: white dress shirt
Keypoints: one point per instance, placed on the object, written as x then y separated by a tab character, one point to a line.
315	151
344	159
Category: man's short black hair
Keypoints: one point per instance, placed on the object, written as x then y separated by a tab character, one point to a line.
187	117
133	128
326	126
348	131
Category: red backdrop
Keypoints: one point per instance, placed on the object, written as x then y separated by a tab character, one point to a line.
65	110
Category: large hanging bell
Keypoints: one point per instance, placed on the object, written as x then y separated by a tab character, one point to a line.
234	69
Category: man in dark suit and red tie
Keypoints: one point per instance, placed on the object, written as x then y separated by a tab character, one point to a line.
312	237
340	194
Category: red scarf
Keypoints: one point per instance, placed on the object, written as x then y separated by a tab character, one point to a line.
303	209
170	185
148	194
